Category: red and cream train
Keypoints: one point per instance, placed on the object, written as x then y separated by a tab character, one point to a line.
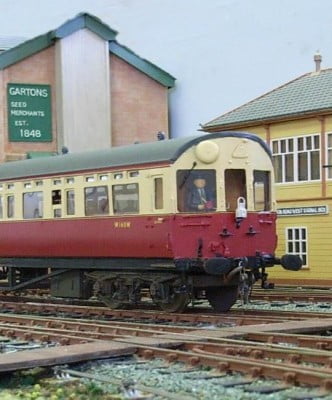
116	222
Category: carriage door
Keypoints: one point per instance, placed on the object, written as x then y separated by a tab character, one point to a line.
235	187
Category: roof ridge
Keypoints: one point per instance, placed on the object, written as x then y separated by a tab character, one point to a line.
258	98
303	94
94	24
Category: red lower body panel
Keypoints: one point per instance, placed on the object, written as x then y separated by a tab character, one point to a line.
171	236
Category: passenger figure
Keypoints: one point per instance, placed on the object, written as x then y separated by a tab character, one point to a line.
200	197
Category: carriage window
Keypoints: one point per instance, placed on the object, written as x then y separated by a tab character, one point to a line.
196	190
70	202
10	206
125	198
56	197
118	175
235	187
262	190
158	193
57	212
96	200
32	205
1	206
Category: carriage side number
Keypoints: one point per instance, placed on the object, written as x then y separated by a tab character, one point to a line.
122	224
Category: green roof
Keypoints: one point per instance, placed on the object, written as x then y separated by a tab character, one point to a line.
308	94
163	151
94	24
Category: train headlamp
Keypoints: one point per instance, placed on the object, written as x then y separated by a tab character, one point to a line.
207	151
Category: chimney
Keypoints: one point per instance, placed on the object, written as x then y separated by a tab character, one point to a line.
318	60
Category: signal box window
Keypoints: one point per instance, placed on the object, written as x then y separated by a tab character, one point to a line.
296	241
296	159
196	190
125	199
10	206
96	200
70	202
32	205
262	199
235	187
158	194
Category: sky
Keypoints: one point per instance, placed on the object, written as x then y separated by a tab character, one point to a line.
223	53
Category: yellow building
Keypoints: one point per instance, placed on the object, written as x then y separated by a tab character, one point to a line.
295	119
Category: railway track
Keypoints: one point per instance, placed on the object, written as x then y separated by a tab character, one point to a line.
248	350
197	315
293	294
281	348
226	355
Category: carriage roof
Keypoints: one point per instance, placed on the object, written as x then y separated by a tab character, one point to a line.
136	154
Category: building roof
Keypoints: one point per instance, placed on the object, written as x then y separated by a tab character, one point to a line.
308	94
94	24
163	151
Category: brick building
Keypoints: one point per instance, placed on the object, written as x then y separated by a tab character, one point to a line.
295	119
76	86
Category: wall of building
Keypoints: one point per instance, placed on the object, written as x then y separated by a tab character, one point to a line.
138	104
38	69
302	198
98	100
83	91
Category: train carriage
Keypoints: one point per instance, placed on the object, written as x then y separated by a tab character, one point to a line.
185	218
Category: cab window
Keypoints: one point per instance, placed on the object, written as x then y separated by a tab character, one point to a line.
1	206
125	198
32	205
262	197
158	194
96	200
235	187
196	190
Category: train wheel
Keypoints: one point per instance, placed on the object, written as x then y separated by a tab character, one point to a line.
110	302
167	298
177	303
221	299
111	293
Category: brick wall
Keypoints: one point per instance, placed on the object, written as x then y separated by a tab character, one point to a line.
36	69
139	105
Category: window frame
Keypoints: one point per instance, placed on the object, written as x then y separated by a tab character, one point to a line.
114	200
300	241
158	193
96	202
328	151
290	146
184	179
39	199
267	195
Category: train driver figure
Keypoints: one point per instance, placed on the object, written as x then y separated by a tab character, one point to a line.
200	197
